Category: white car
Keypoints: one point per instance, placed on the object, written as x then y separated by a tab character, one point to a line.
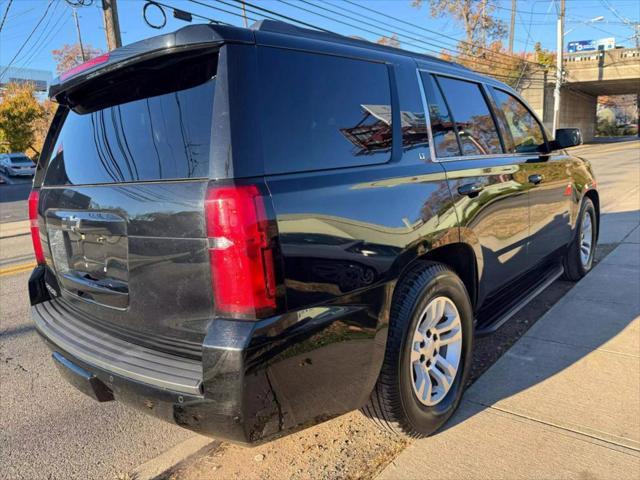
17	164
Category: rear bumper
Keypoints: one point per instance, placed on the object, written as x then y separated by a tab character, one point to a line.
165	386
256	380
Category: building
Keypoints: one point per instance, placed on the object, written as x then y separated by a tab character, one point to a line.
39	78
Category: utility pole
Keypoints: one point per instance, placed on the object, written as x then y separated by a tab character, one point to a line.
513	25
75	17
111	24
244	16
559	43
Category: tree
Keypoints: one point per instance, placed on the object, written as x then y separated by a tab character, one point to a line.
70	56
475	17
481	49
391	41
19	110
544	57
42	123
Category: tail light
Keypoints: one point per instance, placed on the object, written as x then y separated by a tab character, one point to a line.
85	66
34	198
240	254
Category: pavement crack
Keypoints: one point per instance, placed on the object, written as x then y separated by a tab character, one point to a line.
611	444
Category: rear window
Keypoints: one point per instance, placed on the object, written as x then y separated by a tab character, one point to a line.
20	160
322	111
159	138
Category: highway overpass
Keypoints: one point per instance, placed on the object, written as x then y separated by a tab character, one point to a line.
587	76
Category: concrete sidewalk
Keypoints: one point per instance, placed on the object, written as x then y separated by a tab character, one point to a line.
563	402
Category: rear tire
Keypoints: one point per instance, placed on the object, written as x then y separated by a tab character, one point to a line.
418	390
578	260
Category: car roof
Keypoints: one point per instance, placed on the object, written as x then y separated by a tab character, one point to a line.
267	33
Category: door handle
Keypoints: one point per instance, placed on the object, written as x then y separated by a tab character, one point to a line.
470	189
535	178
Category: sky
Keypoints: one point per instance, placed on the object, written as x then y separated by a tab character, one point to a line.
535	22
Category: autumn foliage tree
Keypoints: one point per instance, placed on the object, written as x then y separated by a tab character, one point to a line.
19	112
391	41
482	49
70	56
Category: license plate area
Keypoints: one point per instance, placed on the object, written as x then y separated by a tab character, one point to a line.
90	255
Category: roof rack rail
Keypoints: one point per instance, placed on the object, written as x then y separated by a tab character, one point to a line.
277	26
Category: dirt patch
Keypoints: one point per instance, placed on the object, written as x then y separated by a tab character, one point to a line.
350	446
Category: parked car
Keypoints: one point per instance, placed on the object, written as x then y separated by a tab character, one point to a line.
277	226
16	164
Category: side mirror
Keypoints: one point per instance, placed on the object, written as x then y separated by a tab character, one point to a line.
567	137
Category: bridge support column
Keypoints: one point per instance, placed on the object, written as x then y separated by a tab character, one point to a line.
579	110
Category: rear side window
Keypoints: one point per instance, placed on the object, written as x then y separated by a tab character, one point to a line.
322	111
476	128
158	138
444	134
523	128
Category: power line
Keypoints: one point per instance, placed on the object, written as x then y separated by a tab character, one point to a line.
486	62
256	10
438	34
211	20
45	41
253	19
286	17
28	38
4	17
41	33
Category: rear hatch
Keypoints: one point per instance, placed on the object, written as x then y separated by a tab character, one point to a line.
121	201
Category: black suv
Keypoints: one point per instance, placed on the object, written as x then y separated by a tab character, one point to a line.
249	231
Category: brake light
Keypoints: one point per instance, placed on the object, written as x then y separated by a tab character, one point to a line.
34	198
85	66
240	255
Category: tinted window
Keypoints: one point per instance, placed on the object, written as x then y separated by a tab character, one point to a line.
20	159
476	128
163	137
321	111
444	135
524	129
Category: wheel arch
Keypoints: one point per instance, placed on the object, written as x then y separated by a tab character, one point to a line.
595	198
460	258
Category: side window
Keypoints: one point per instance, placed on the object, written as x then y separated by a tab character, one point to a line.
476	128
321	111
524	128
444	135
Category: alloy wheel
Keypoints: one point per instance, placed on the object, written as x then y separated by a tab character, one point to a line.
436	350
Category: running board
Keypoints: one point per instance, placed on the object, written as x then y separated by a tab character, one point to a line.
496	324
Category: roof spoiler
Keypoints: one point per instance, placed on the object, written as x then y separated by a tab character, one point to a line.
190	37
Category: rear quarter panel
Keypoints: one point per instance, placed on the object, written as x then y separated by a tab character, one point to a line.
346	235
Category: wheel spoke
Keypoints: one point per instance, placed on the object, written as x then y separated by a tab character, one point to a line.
415	353
439	310
442	379
422	377
452	336
449	369
428	393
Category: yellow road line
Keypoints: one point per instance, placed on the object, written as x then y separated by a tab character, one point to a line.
23	267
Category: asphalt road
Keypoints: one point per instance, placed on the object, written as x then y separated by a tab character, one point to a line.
13	195
49	430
